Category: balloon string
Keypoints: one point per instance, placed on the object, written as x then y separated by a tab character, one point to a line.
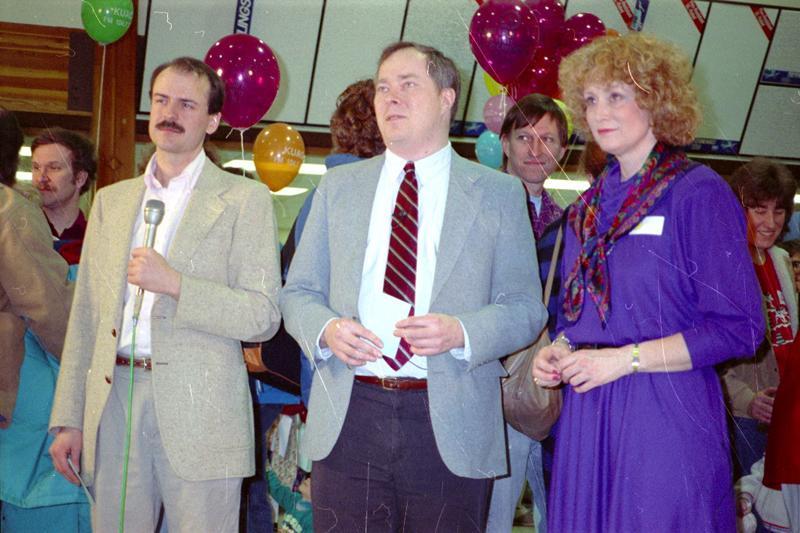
241	143
100	98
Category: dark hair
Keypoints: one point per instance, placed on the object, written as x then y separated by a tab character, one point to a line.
440	68
530	110
761	180
80	148
11	139
354	129
216	91
792	247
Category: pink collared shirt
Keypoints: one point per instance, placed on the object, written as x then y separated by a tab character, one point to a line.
175	197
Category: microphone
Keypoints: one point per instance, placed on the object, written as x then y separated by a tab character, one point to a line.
153	214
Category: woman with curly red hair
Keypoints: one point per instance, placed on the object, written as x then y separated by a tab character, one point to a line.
658	289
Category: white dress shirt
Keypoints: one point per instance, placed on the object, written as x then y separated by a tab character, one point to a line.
175	197
433	179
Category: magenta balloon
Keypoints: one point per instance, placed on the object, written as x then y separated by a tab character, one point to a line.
550	16
540	76
250	72
579	30
502	36
494	111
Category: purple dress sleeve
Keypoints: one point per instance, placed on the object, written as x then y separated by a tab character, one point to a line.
729	321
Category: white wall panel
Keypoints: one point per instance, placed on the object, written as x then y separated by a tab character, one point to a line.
186	27
671	22
290	28
183	28
784	54
600	8
728	68
774	127
42	12
353	34
444	24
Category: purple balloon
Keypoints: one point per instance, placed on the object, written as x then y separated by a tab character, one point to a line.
494	111
503	36
578	31
550	16
250	72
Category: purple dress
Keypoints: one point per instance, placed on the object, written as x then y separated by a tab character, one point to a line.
649	452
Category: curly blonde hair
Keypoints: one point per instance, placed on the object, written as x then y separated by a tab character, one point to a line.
659	71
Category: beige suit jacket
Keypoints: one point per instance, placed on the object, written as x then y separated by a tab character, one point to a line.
34	292
226	250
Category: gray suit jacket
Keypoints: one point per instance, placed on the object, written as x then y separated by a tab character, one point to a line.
226	250
486	276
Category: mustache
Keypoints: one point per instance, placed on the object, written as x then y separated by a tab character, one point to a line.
170	125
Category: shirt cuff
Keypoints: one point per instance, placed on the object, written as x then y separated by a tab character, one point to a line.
465	353
322	354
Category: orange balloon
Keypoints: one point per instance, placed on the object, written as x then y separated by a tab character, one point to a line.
611	32
278	153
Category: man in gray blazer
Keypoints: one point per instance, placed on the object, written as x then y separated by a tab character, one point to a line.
210	281
424	247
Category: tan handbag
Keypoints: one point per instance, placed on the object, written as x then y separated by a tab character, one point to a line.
529	408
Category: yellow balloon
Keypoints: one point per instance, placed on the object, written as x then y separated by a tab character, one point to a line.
278	152
567	114
492	86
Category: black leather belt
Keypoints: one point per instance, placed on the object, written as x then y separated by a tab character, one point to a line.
145	362
394	383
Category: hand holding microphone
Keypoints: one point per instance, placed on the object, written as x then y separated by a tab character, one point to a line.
147	268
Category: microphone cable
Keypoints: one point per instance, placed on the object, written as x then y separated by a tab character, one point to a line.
153	213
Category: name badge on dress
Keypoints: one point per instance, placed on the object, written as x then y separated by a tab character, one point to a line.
652	225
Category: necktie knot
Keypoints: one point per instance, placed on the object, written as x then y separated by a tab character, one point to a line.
409	167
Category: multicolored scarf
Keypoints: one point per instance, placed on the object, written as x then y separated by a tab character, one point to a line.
590	271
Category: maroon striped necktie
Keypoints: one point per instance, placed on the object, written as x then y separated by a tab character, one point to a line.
401	264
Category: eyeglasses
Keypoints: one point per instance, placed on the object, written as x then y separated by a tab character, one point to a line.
796	265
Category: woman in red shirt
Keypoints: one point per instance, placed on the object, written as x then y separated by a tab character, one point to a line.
769	384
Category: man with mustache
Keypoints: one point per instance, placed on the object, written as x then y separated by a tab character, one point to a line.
432	253
63	168
211	281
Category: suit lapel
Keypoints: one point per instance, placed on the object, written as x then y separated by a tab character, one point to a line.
202	211
461	209
121	217
356	221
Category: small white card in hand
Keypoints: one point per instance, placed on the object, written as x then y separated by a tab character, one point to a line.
384	312
652	225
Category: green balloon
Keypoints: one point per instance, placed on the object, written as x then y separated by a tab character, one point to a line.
106	20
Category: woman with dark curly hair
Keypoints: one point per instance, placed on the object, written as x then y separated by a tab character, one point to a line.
764	390
354	130
658	288
766	192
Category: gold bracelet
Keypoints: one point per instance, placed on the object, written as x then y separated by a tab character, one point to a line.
635	358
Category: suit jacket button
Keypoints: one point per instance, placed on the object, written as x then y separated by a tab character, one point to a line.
114	332
108	380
